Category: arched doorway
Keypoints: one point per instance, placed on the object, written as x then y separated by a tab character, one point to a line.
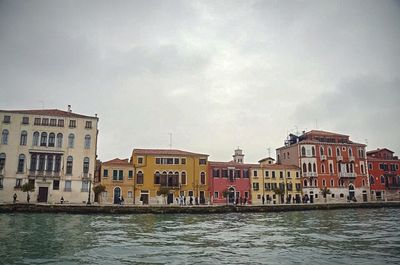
117	195
231	195
352	193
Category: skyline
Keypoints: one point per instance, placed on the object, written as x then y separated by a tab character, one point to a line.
217	75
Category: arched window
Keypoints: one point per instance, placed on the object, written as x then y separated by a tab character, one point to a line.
304	167
362	169
321	150
52	139
43	139
33	162
303	151
42	161
50	162
86	165
315	183
305	183
71	139
157	177
139	177
4	138
363	182
329	151
2	162
314	168
183	178
21	163
323	168
309	167
337	151
87	141
59	140
324	183
371	179
203	178
35	141
57	164
70	161
382	179
313	151
350	152
330	168
24	138
351	167
332	183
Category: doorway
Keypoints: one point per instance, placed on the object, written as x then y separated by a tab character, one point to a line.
117	195
351	193
231	195
43	192
170	198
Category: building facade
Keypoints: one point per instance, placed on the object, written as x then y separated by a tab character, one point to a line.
117	176
384	174
327	160
165	175
229	182
275	184
54	150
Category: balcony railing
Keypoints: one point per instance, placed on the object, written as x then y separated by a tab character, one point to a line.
347	175
43	174
310	174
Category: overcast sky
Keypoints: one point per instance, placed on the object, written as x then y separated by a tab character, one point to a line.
215	74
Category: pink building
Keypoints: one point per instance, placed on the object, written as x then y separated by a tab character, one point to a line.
229	182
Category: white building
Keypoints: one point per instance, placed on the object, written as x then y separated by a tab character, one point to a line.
54	150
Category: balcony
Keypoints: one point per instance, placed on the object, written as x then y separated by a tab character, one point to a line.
310	174
43	174
339	158
347	175
323	157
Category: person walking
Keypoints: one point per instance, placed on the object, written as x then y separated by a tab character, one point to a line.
28	198
263	199
191	200
15	198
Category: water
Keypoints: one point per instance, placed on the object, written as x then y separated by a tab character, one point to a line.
357	236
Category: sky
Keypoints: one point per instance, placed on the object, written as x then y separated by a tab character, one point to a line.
216	75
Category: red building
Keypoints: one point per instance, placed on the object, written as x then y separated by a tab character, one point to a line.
328	160
229	182
384	174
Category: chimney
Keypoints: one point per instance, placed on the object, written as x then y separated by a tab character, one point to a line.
69	108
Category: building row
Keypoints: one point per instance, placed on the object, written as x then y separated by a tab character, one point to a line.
55	152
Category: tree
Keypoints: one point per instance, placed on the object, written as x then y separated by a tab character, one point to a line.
28	187
164	192
325	191
279	192
97	190
225	194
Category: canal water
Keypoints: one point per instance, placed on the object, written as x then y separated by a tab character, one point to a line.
350	236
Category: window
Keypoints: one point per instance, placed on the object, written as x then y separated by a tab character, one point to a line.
4	138
202	161
2	161
323	168
105	173
35	141
190	193
304	167
314	167
288	174
329	151
281	174
256	186
309	167
18	183
324	183
130	174
350	152
139	178
313	151
183	178
57	165
115	174
25	120
59	140
183	161
337	151
362	169
130	194
88	125
87	141
297	174
120	175
43	139
72	123
85	186
37	121
341	195
238	174
176	161
382	179
330	168
52	139
267	174
53	122
86	165
50	159
69	165
67	185
157	178
7	119
273	174
71	139
215	173
216	194
24	138
224	173
371	179
33	162
202	178
21	163
321	151
60	123
254	173
245	173
42	160
45	121
140	160
56	184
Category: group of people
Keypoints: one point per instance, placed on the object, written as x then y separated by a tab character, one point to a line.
241	200
181	200
28	197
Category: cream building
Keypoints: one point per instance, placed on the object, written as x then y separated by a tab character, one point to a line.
52	149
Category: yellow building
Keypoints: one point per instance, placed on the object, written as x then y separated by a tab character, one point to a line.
117	176
165	175
275	184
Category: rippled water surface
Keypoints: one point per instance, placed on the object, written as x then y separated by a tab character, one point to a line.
357	236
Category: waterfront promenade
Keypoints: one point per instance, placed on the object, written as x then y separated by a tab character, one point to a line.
175	209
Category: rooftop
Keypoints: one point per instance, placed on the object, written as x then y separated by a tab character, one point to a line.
173	152
117	161
49	112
